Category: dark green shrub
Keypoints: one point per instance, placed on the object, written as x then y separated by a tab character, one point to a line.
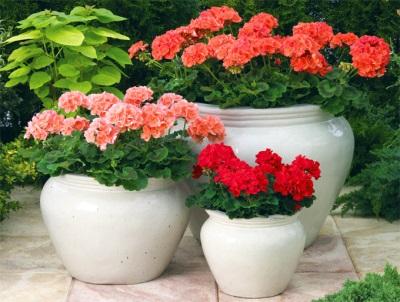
374	288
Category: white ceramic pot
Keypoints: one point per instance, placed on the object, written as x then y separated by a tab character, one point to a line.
108	235
252	258
290	131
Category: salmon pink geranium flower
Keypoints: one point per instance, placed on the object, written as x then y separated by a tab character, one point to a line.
121	142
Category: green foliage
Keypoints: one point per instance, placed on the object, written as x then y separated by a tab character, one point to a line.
14	170
212	196
61	52
380	181
374	288
128	163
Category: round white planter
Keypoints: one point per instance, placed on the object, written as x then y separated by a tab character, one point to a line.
290	131
108	235
252	258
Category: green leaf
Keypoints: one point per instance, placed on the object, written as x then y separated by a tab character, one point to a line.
104	79
38	79
42	92
351	93
127	173
106	16
158	155
262	86
327	91
47	103
105	32
335	73
120	56
16	81
25	52
65	35
112	72
10	66
335	105
68	70
84	87
24	70
41	61
30	35
94	39
88	51
62	83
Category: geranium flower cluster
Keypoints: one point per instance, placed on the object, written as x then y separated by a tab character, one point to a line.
199	42
220	163
109	117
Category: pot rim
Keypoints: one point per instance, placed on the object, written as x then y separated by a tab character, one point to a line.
256	222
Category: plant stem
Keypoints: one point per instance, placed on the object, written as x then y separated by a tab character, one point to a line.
213	75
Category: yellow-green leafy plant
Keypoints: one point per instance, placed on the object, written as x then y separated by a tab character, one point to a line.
61	52
14	170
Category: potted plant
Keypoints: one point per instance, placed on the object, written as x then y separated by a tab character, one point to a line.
114	205
253	240
272	90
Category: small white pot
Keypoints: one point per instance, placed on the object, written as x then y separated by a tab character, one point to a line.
108	235
252	258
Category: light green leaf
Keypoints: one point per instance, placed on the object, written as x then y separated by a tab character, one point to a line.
42	92
68	70
78	10
44	21
33	34
10	66
106	16
94	39
41	62
83	87
19	72
38	79
104	79
120	56
47	102
105	32
25	52
112	72
65	35
16	81
88	51
62	83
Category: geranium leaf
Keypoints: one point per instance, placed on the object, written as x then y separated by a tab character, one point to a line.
351	93
158	155
327	91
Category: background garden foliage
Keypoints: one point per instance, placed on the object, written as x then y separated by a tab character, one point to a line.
375	126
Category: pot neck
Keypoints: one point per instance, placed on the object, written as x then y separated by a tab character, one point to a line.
78	180
246	116
257	222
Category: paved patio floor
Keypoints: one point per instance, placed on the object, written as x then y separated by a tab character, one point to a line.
347	248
